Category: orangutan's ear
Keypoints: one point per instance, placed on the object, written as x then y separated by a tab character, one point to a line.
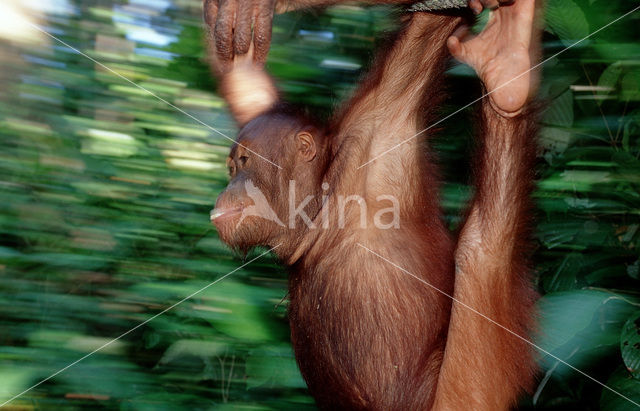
306	145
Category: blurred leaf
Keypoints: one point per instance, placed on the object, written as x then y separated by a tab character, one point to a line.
75	342
164	401
245	311
194	348
14	381
564	314
576	325
106	192
273	366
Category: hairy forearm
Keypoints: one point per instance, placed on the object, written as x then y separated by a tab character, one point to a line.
493	294
505	175
496	234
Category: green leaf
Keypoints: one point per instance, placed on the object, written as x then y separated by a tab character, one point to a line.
567	20
564	277
560	113
610	77
631	85
630	344
627	391
633	270
555	140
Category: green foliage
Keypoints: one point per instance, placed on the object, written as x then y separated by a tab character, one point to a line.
630	344
106	191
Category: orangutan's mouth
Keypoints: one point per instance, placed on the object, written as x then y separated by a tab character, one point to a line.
220	214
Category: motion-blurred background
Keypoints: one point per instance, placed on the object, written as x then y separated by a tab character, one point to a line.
105	192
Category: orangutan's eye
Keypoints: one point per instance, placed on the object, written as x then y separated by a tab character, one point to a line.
243	160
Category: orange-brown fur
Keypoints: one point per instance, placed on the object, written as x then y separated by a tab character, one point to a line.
492	275
368	335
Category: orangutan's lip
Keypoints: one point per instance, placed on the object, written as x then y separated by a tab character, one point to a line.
222	213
